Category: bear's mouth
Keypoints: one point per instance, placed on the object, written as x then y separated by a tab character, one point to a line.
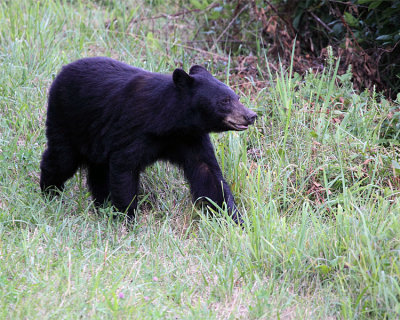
236	126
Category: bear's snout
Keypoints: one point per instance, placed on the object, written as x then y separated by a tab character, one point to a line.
251	116
240	118
242	114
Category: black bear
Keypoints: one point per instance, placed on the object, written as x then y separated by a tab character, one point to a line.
115	119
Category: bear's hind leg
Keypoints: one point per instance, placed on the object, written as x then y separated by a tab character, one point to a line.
57	166
98	180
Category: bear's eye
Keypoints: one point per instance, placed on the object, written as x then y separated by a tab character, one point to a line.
225	101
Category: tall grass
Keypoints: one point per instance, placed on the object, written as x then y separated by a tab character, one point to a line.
318	192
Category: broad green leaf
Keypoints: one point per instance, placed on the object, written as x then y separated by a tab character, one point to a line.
384	37
350	19
374	5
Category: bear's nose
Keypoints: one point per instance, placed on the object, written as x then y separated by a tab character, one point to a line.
251	117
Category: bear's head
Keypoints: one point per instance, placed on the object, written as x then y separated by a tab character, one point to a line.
214	106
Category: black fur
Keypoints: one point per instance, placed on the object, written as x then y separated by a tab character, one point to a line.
115	120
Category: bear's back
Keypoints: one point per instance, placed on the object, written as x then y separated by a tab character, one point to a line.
101	104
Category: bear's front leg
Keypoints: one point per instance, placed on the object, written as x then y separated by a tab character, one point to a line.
124	184
205	177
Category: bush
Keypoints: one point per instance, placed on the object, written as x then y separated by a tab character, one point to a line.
363	33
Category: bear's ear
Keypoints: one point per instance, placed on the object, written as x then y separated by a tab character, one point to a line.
181	78
198	69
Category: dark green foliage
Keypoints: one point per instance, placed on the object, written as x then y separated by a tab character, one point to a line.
367	32
364	33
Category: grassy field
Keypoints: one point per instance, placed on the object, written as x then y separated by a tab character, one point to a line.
319	192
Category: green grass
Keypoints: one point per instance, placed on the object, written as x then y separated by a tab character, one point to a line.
319	193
